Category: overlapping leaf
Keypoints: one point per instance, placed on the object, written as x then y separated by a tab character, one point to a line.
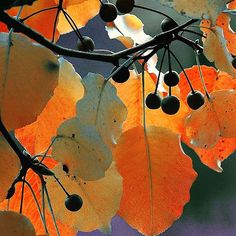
101	199
29	74
152	197
12	224
102	108
215	119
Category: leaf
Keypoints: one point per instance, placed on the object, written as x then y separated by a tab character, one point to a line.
43	22
157	177
37	136
127	27
219	114
9	167
7	4
133	102
80	11
102	108
12	224
216	51
207	9
101	199
24	94
81	148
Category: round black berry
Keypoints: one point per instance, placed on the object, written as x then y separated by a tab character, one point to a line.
125	6
168	24
171	78
11	192
170	105
86	44
74	202
122	75
108	12
153	101
234	63
195	100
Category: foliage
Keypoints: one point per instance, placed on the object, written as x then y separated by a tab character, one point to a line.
98	137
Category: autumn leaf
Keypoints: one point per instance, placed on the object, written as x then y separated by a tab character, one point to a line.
102	108
152	197
9	167
80	147
12	223
207	9
37	76
101	199
213	120
216	51
37	136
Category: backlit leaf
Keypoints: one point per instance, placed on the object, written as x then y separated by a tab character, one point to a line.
102	108
24	94
9	167
157	178
12	224
81	148
215	119
101	199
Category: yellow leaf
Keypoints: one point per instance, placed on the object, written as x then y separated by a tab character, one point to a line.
29	75
101	199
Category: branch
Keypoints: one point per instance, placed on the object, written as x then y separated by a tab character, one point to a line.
158	41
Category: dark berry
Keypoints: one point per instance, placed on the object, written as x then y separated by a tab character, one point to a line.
86	44
74	202
122	75
168	24
195	100
108	12
234	63
125	6
11	192
153	101
171	78
170	105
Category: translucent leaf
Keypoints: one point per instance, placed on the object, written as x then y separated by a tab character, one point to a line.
80	11
208	9
126	27
43	22
81	148
101	199
12	224
102	108
223	21
133	102
37	136
24	94
216	51
157	177
215	119
9	167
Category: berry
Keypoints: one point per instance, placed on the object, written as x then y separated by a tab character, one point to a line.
153	101
74	202
170	105
11	192
108	12
168	24
86	44
234	63
125	6
195	100
171	78
122	75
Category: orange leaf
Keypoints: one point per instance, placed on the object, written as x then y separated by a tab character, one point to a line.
157	178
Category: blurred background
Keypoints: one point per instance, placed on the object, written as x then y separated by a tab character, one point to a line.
212	209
